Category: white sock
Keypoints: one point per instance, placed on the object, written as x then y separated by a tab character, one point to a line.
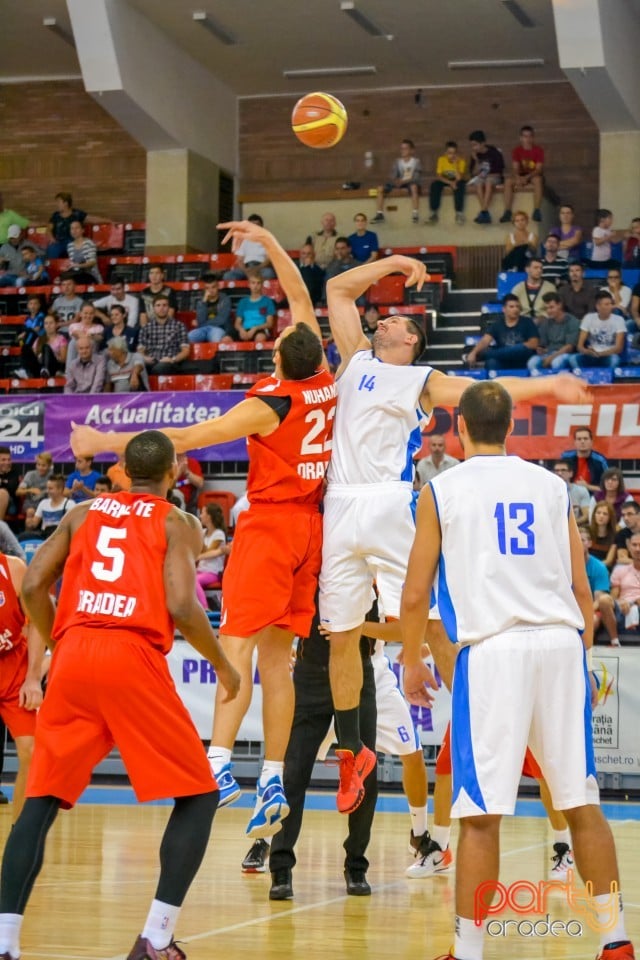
161	922
562	836
441	836
270	768
218	757
469	939
418	820
10	926
606	904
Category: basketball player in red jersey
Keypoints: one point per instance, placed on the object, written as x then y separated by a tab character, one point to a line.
270	580
129	575
21	652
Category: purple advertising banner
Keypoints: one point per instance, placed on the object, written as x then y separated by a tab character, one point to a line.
31	424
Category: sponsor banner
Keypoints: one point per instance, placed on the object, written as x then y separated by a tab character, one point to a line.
616	716
22	426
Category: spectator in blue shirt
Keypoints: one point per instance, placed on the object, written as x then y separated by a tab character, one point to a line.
255	314
603	602
364	243
80	484
515	340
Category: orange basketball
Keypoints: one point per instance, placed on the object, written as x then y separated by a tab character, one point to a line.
319	120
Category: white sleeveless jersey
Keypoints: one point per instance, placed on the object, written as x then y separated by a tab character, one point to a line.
505	558
376	431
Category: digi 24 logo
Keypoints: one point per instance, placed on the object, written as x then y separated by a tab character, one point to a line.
22	427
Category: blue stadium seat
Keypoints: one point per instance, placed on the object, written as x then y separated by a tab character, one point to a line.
30	547
472	374
506	282
631	276
508	373
627	373
596	375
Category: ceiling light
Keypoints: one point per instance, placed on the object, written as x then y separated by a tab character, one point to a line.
521	15
220	33
494	64
328	72
363	21
52	24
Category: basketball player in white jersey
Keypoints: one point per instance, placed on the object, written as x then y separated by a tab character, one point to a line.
515	604
368	526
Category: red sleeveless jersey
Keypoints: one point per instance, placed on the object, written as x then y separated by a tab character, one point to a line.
114	575
289	465
12	616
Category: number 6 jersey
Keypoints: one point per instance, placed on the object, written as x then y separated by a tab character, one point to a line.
113	580
504	524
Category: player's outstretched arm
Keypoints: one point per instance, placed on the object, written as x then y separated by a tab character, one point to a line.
30	693
344	290
441	390
184	542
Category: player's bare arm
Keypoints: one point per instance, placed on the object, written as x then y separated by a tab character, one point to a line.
441	390
30	694
344	290
184	540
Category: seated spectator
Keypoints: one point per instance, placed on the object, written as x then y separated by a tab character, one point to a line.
12	265
129	303
554	268
342	260
598	577
251	257
559	332
631	249
103	485
578	494
514	337
31	526
33	486
588	465
311	273
527	163
521	244
530	292
620	294
602	236
60	225
213	313
451	174
625	588
9	481
635	309
324	240
80	483
33	329
126	372
35	268
118	327
602	336
163	341
210	563
67	305
612	490
370	320
364	243
437	461
602	528
406	174
486	171
9	543
87	373
52	508
630	515
156	286
569	235
85	326
9	218
189	481
255	314
52	349
83	256
578	295
120	479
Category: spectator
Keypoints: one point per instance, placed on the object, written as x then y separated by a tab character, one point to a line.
603	236
612	490
588	465
210	563
213	313
156	286
625	587
555	269
530	292
126	371
486	169
119	477
437	461
9	481
620	294
364	243
559	332
630	513
9	218
87	373
255	314
602	529
578	296
127	301
163	342
118	327
83	256
631	250
52	508
32	331
67	305
569	235
81	481
52	349
515	339
578	494
343	259
10	546
311	273
406	174
324	240
60	225
521	244
603	602
12	265
251	257
527	163
35	270
189	481
602	336
33	486
85	326
451	174
103	485
635	308
370	319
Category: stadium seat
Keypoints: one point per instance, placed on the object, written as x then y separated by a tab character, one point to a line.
225	498
30	547
203	351
173	381
214	381
596	375
108	236
506	282
387	290
492	374
272	288
472	374
283	320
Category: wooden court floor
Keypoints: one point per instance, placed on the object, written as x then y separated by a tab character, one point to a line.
101	868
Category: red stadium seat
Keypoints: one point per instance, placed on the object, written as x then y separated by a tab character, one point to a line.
214	381
283	320
107	236
224	498
387	290
203	351
174	381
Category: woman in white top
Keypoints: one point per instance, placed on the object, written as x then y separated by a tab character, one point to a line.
211	561
521	244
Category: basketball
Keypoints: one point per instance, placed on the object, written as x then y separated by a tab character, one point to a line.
319	120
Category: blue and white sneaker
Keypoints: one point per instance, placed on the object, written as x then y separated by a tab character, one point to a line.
227	785
270	810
